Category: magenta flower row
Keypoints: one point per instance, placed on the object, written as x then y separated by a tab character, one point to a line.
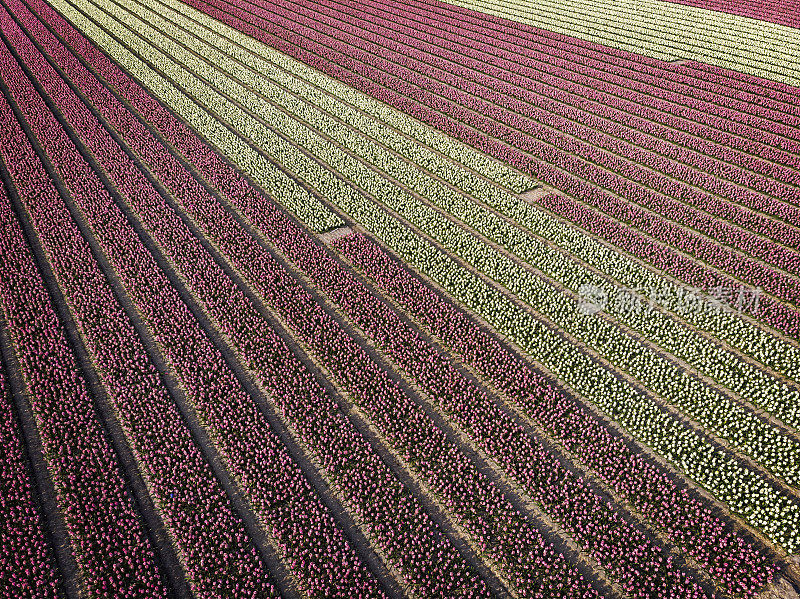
108	539
412	92
325	566
400	523
614	105
688	522
210	538
760	108
509	113
700	74
782	12
26	559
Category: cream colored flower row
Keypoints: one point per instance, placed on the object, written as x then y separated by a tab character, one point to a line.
718	471
663	30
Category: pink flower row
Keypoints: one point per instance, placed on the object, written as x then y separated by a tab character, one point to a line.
693	273
317	267
218	555
688	522
734	84
374	495
576	150
652	82
260	461
537	76
456	480
600	530
26	559
782	12
97	510
353	73
243	325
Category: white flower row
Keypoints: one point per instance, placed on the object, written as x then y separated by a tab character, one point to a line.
745	491
702	403
751	339
725	417
319	87
665	31
266	174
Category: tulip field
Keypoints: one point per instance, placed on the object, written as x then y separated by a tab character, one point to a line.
400	298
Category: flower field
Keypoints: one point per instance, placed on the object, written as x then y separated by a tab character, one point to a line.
393	298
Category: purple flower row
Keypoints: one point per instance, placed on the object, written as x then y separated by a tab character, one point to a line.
438	77
273	483
749	88
396	519
710	102
592	522
693	273
210	538
782	12
538	78
26	559
354	73
97	511
687	522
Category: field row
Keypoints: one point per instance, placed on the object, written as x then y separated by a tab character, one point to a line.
774	11
270	415
666	31
657	216
737	424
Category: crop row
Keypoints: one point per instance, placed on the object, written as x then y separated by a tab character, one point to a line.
206	269
178	477
568	499
687	521
699	401
751	339
773	312
730	84
658	17
604	120
89	485
652	29
781	12
748	139
701	460
360	478
312	261
656	415
613	182
353	106
388	164
424	435
261	464
241	324
222	314
246	330
27	567
234	10
762	107
263	171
